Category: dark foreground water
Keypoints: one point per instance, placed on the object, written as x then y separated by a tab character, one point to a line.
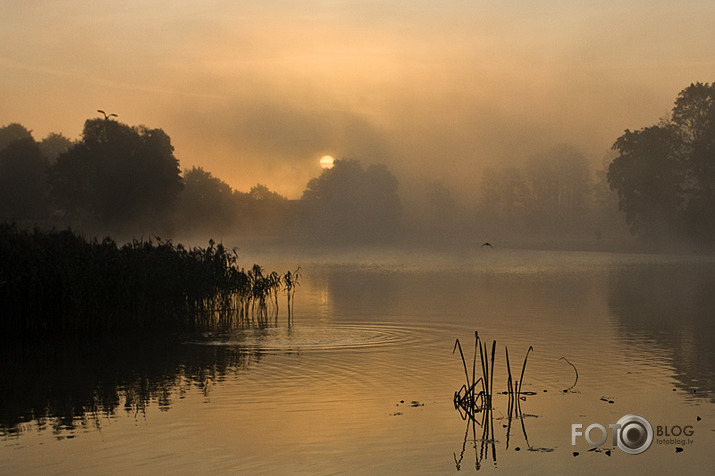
363	381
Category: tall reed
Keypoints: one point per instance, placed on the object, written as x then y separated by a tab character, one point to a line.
291	281
475	395
61	282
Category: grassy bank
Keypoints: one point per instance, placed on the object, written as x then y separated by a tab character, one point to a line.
59	282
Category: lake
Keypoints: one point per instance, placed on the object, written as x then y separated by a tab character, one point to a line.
362	381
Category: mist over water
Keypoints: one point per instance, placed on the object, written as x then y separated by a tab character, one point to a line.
365	374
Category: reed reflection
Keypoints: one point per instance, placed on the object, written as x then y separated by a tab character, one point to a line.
63	386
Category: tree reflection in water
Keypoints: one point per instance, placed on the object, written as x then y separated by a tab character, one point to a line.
674	305
64	385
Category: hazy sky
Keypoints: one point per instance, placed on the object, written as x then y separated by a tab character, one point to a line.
258	91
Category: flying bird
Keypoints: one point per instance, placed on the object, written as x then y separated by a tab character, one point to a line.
106	117
487	244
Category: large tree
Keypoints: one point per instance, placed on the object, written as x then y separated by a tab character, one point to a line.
694	117
349	203
118	176
665	174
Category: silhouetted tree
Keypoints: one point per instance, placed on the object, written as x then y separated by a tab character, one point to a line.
348	203
24	192
206	203
648	176
263	211
665	174
118	176
263	193
694	117
13	132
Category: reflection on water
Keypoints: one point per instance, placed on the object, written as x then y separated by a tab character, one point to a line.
475	402
63	386
320	396
673	305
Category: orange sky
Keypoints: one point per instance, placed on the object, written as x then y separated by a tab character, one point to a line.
259	91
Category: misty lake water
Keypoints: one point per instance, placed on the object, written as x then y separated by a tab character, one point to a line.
363	380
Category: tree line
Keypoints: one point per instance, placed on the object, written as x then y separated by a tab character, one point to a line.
659	181
551	193
125	180
117	179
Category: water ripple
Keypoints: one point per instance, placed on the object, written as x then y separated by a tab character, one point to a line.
309	338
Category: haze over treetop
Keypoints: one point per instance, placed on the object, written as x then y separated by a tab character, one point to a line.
123	179
260	91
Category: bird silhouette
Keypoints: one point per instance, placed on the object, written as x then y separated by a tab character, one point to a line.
106	117
486	243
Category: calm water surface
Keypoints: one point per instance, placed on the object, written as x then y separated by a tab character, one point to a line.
363	381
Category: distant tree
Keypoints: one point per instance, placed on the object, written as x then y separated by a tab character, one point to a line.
489	190
607	219
206	203
434	215
504	192
13	132
558	181
118	176
263	211
441	205
262	192
54	145
665	174
549	197
558	184
514	192
24	192
348	203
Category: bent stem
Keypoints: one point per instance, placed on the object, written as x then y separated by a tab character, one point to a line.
523	368
457	345
575	370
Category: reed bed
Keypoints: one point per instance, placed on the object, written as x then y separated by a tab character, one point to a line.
474	399
60	282
475	395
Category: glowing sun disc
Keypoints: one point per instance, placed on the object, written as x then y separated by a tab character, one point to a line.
326	161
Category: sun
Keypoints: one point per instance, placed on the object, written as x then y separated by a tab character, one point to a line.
327	161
